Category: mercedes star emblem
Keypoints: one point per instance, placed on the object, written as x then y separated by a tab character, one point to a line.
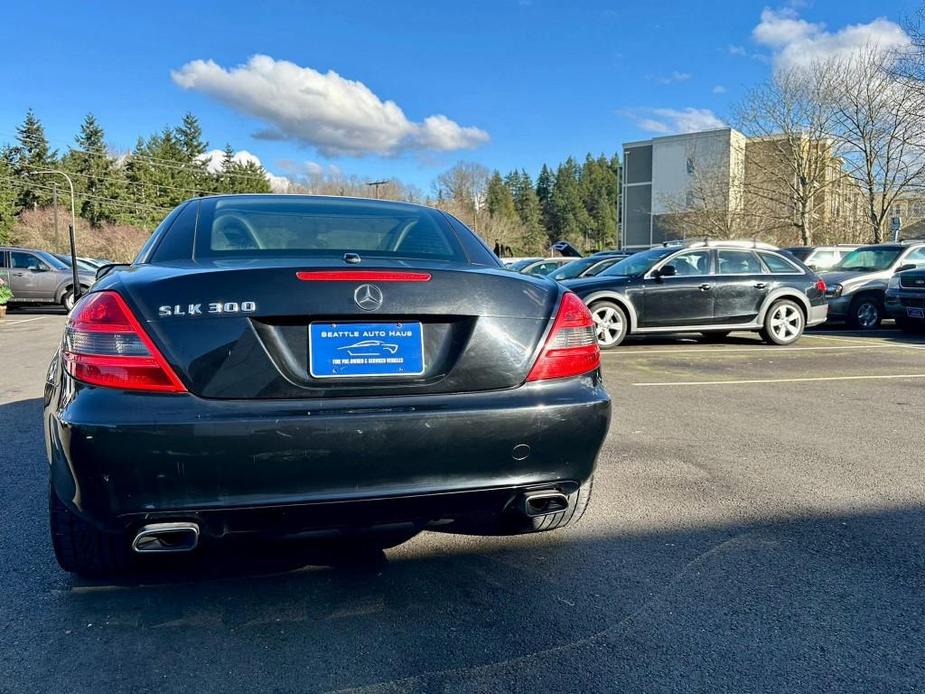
368	297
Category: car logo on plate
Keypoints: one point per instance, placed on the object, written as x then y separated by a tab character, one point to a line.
368	297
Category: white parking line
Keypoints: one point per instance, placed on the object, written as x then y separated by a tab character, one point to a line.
780	380
879	343
725	350
7	321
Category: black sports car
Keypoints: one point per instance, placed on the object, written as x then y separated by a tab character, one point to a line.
713	288
297	364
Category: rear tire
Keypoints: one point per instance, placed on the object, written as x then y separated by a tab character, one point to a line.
68	300
865	313
82	549
611	325
783	323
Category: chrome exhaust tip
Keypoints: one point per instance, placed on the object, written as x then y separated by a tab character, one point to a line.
166	537
543	503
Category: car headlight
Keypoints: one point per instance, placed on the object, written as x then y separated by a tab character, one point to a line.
834	291
894	282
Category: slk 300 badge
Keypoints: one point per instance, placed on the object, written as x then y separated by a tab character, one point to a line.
220	308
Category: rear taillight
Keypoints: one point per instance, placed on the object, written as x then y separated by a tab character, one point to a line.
571	348
820	285
105	345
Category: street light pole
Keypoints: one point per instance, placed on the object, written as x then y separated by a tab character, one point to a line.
72	229
377	184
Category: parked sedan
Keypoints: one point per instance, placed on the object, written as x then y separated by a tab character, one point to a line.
542	266
290	365
38	277
711	288
905	300
587	267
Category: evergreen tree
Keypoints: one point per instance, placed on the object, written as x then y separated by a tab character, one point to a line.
8	199
242	176
499	199
528	210
31	154
600	191
544	185
570	218
96	174
189	133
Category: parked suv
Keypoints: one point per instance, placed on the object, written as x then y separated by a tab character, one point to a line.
38	277
711	287
857	284
820	258
905	300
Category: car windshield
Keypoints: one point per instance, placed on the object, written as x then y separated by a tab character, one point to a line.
601	266
574	268
56	262
81	264
868	260
260	226
521	264
638	263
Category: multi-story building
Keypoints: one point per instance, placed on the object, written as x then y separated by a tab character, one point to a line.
665	176
720	183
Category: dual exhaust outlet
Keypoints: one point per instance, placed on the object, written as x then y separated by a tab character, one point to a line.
163	538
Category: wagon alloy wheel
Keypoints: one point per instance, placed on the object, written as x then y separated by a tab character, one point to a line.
784	323
609	324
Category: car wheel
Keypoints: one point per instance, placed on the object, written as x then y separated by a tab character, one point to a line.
783	323
68	300
82	549
865	313
610	323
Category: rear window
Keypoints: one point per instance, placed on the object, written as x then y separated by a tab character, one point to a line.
778	263
254	227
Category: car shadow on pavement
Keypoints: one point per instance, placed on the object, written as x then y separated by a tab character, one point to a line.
803	603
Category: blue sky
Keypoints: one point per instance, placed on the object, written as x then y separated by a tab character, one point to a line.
408	88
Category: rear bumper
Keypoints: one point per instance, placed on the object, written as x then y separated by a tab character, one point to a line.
817	315
118	459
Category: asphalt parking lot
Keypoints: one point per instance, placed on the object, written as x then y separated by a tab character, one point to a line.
758	525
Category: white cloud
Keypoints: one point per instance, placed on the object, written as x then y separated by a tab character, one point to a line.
736	50
796	42
675	76
718	89
214	158
671	121
324	110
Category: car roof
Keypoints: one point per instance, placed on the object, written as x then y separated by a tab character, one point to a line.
398	204
22	248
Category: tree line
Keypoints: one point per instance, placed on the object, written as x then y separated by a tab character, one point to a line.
135	189
577	202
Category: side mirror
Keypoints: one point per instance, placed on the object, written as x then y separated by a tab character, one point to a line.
907	266
666	271
38	268
104	270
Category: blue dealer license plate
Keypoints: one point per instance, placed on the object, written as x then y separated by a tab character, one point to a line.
339	350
